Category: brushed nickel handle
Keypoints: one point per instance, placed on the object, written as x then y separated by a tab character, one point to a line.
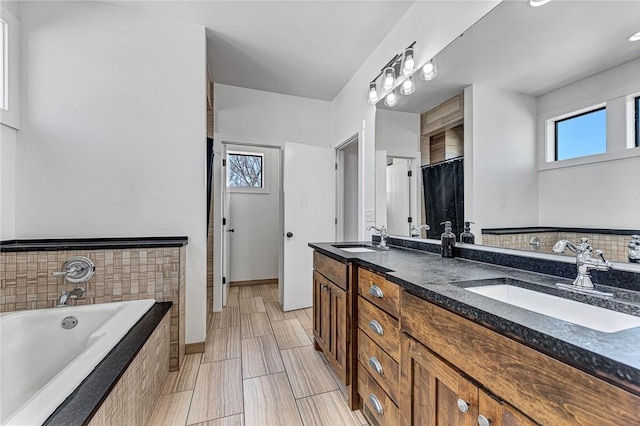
376	327
375	291
375	364
463	405
483	421
376	404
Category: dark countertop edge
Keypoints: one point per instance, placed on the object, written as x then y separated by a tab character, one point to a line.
502	324
57	244
80	407
533	229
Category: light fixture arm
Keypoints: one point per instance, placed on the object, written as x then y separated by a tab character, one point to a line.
392	61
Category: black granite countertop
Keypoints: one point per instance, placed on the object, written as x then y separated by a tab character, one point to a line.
614	357
11	246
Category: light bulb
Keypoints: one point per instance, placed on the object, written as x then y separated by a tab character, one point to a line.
389	78
429	70
373	93
391	99
634	37
407	87
408	63
536	3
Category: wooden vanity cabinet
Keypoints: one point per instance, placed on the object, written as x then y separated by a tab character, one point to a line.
446	357
330	322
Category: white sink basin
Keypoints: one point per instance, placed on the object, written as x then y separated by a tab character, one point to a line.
589	316
356	249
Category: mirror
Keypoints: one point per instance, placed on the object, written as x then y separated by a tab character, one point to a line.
519	68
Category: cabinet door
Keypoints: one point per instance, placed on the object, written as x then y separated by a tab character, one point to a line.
499	413
321	311
339	329
432	392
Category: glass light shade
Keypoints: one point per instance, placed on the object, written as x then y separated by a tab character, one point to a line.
373	93
429	70
408	86
391	99
634	37
408	62
537	3
388	78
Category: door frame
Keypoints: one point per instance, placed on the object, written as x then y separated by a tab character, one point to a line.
339	149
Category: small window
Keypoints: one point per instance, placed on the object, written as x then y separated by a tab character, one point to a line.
4	64
245	170
638	121
581	135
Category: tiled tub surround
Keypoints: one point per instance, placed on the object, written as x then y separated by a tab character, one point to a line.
612	357
126	269
613	242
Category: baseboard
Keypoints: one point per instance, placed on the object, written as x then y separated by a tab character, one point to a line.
194	348
254	282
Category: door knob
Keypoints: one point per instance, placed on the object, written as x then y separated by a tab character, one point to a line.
289	234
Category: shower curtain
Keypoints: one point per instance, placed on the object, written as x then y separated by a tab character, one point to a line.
443	185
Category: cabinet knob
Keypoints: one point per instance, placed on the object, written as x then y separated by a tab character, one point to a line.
375	291
375	364
376	327
463	405
376	404
483	421
289	234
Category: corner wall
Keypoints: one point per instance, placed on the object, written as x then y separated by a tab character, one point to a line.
110	146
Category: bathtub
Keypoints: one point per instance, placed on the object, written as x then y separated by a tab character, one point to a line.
42	363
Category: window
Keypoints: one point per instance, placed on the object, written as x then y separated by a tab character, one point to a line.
245	170
637	120
4	64
581	135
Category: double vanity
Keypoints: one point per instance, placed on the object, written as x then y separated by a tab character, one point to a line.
423	340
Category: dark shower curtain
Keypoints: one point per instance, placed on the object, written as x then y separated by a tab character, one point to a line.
443	185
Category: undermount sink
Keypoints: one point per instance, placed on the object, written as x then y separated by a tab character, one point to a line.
354	248
593	317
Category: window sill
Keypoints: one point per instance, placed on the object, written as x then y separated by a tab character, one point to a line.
590	159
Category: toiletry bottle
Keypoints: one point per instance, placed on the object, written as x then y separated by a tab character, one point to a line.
448	240
467	236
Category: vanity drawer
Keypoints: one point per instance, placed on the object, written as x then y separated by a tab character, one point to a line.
381	327
376	400
379	365
331	268
379	291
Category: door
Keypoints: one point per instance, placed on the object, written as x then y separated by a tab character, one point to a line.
398	196
226	228
309	199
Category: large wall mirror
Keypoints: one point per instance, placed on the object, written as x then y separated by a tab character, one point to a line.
522	75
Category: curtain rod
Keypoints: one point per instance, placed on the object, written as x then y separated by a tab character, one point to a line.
440	163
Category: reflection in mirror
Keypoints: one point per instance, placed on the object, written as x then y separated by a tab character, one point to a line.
398	199
520	70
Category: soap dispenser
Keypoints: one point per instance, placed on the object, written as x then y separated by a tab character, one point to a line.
467	236
448	239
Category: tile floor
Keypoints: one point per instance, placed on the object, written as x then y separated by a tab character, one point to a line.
259	368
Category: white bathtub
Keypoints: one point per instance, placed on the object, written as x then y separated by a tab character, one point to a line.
41	363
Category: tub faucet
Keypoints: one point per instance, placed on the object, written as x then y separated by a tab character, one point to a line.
415	230
76	293
584	261
382	231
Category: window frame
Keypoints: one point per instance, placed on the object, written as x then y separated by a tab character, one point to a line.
571	117
264	189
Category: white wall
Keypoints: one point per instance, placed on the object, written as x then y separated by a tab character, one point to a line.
7	183
398	133
271	116
113	131
432	25
255	218
500	170
599	191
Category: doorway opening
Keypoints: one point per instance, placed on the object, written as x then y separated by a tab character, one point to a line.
347	190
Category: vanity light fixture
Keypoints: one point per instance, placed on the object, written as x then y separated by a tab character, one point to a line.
635	37
407	87
391	99
537	3
429	71
408	66
373	93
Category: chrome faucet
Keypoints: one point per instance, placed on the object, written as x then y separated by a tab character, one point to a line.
634	249
382	231
584	261
76	293
415	230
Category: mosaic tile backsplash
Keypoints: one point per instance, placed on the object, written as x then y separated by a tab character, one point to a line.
26	282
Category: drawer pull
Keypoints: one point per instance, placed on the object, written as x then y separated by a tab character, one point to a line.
376	404
376	327
463	405
483	421
375	291
375	364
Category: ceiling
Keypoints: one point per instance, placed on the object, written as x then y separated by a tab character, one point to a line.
532	50
301	48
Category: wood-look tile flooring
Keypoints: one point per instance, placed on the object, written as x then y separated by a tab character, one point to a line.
259	368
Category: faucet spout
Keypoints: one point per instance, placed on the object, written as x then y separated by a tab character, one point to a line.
382	231
584	261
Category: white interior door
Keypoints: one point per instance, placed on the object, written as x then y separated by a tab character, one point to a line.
226	229
398	197
309	197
